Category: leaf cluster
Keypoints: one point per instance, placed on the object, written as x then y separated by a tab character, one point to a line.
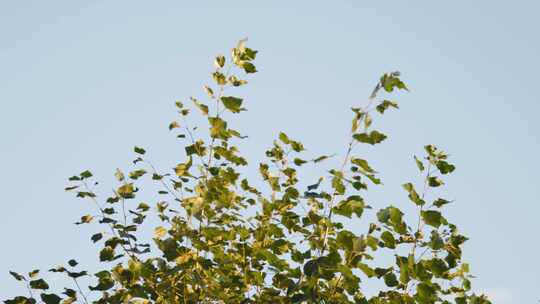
220	239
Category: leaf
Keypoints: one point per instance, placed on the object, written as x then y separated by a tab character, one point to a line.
350	206
435	241
21	300
299	162
106	254
33	274
17	276
249	67
235	81
434	181
440	202
137	173
85	219
372	138
174	125
39	284
138	150
159	232
50	298
284	138
143	207
126	190
119	175
233	104
445	167
390	280
209	91
72	263
432	218
183	169
201	106
362	164
388	240
321	158
368	271
219	78
419	164
197	148
218	128
86	174
96	237
311	268
384	105
219	62
390	81
413	195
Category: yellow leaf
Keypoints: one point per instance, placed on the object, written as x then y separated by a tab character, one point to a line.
159	232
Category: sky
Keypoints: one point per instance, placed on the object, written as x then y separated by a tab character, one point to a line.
82	82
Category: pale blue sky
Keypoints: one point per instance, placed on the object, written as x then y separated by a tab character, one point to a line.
81	82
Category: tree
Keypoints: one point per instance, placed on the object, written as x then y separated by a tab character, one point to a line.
223	240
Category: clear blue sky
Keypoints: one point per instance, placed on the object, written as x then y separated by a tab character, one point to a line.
81	82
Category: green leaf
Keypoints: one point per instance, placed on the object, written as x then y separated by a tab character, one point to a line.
419	164
434	181
72	263
445	167
96	237
106	254
390	280
197	148
159	232
372	138
388	240
138	150
368	271
39	284
233	104
50	298
201	106
345	239
235	81
219	62
436	242
432	218
322	157
249	67
413	195
440	202
137	173
299	162
86	174
183	168
362	164
20	300
311	268
384	105
350	206
17	276
391	81
119	175
219	78
126	190
218	128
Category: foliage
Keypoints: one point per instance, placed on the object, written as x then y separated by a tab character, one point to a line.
223	240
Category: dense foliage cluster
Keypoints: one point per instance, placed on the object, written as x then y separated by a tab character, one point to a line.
221	239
